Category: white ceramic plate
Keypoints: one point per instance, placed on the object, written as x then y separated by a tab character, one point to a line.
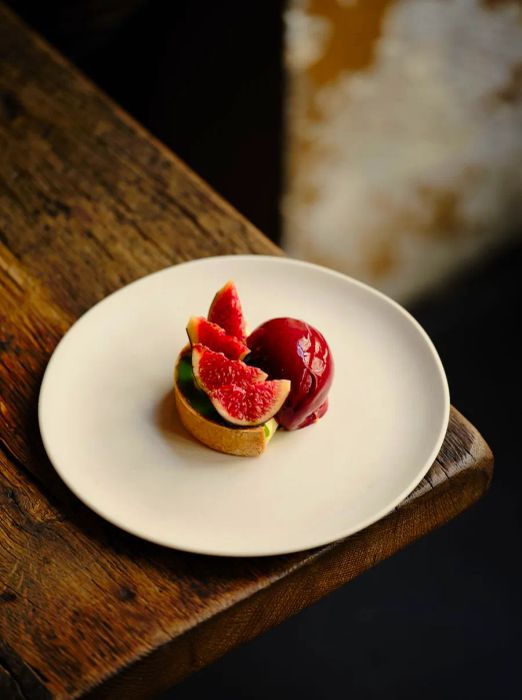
110	428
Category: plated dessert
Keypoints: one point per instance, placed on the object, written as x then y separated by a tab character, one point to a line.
233	390
128	457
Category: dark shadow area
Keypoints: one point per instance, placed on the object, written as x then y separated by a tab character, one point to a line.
205	78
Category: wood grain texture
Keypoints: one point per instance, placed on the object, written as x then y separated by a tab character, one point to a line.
89	202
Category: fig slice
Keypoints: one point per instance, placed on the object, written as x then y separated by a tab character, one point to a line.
226	311
213	370
211	335
250	404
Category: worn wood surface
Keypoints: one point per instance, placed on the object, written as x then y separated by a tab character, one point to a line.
89	202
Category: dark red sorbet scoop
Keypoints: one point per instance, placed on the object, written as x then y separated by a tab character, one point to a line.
287	348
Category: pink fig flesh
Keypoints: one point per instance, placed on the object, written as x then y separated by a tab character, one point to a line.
200	330
250	404
226	311
212	370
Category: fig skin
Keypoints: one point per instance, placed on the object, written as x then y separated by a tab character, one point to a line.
287	348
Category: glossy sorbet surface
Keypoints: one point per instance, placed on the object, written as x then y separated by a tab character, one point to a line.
287	348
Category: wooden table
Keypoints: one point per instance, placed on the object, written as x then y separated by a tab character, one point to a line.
89	201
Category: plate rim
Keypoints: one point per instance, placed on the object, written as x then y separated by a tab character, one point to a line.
320	542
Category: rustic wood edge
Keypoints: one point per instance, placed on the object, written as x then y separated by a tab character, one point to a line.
323	572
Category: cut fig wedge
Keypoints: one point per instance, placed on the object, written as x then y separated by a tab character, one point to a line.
226	311
213	370
211	335
250	404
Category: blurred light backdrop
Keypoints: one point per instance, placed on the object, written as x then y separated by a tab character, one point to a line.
403	136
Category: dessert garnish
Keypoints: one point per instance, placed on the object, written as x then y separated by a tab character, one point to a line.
233	391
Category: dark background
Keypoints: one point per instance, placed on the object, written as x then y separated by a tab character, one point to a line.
440	619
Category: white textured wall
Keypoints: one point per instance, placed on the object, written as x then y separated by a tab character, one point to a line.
407	169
